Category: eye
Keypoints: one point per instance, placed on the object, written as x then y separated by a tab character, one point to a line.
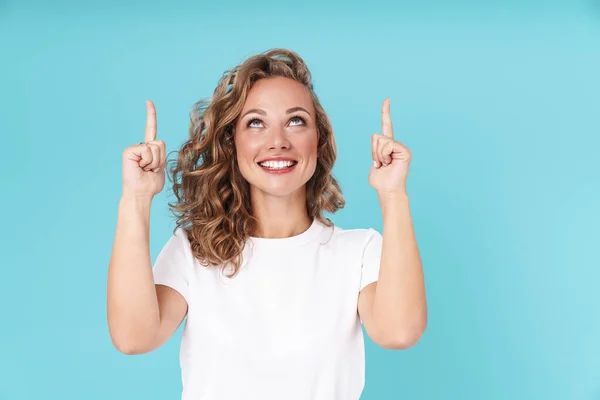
252	121
297	118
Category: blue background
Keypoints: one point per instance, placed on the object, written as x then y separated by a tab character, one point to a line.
499	103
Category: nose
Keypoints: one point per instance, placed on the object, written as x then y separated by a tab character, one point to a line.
278	140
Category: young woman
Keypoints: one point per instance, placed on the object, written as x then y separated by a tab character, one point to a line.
274	293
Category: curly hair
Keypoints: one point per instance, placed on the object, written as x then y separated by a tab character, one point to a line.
213	199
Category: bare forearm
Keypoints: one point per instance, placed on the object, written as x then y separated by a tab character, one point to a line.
133	312
399	306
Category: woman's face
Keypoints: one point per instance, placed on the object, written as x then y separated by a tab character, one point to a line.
276	137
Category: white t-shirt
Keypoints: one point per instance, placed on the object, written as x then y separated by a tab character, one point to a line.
286	327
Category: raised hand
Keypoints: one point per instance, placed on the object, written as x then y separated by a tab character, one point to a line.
144	163
391	159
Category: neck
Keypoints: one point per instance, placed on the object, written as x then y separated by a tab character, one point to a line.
280	217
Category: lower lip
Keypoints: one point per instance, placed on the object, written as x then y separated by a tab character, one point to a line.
278	171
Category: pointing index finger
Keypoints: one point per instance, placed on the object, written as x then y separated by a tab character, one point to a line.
150	121
386	119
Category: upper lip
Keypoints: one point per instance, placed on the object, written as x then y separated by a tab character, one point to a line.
276	159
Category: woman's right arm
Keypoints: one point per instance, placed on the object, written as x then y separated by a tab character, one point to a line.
141	315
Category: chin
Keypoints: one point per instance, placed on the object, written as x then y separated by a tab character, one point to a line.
271	190
280	184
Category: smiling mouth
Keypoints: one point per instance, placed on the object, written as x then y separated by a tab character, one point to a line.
278	165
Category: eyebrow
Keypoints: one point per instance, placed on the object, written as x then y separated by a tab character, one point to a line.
263	112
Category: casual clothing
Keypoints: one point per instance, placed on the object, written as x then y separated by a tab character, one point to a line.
285	327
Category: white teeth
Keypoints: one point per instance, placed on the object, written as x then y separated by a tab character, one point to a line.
277	164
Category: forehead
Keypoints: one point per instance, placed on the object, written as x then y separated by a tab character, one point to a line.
278	93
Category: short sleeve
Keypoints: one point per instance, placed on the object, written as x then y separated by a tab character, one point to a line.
172	265
371	259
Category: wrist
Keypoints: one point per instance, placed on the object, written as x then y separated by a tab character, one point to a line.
393	197
136	202
393	203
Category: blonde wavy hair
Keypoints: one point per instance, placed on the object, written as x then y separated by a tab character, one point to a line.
213	199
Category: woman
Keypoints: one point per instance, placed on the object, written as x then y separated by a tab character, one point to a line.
273	292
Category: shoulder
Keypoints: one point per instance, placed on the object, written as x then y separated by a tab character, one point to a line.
178	238
177	243
355	237
181	234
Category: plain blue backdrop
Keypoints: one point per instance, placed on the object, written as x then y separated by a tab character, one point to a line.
499	103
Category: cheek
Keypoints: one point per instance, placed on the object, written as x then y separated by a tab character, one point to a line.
308	146
245	149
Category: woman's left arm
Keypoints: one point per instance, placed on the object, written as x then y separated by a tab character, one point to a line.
394	309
